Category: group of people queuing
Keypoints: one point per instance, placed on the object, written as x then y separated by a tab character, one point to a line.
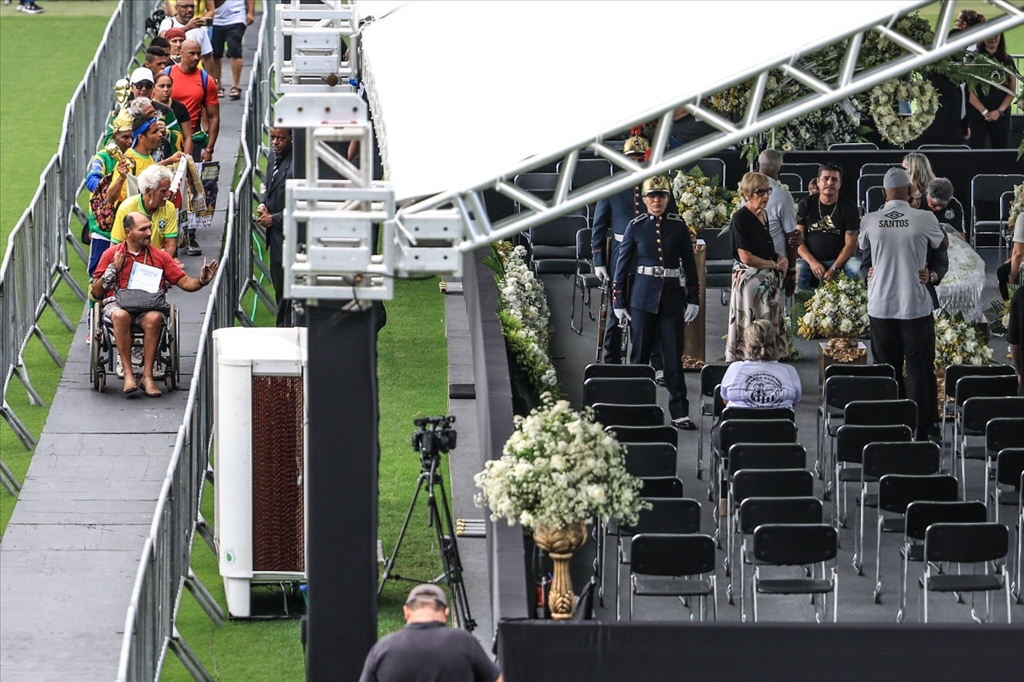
167	112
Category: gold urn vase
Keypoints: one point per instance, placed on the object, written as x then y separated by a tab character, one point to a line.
560	543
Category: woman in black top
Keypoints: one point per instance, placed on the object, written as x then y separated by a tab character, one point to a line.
989	113
757	270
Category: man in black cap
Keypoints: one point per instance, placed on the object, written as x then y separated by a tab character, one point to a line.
426	649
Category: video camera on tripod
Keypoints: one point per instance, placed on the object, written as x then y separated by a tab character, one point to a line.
433	436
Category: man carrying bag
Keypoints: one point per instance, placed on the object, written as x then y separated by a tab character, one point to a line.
130	279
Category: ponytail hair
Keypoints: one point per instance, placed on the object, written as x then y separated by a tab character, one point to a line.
760	337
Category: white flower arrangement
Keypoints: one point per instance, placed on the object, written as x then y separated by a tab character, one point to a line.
559	467
957	342
821	128
524	315
891	125
702	201
838	308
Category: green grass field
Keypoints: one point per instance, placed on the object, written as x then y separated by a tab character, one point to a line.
59	44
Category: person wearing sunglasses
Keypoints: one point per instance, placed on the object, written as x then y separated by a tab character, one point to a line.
664	295
757	271
829	225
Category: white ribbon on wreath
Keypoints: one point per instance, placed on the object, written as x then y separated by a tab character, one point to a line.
891	125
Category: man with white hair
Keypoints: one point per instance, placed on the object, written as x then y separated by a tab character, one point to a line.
899	305
781	215
154	203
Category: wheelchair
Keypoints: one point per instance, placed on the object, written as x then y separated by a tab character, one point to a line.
104	358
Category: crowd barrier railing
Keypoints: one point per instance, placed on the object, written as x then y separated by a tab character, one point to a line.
36	260
164	569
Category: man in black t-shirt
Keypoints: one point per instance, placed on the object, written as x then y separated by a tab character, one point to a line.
829	225
426	650
1014	335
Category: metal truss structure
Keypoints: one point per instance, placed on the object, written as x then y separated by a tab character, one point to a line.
479	231
340	212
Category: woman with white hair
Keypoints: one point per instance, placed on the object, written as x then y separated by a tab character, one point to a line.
757	269
761	380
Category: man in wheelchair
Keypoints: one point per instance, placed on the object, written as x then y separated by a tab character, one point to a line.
146	272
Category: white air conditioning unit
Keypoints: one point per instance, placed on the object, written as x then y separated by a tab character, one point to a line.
259	459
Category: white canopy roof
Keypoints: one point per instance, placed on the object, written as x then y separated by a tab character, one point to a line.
467	90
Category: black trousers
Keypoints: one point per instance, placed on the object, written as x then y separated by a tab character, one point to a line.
1002	277
668	328
910	342
986	135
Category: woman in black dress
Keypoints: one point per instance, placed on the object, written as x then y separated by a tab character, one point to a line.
988	114
757	270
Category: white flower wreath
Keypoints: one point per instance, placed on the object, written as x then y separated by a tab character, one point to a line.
891	125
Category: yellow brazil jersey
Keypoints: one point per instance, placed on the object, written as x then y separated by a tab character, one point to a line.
141	161
164	219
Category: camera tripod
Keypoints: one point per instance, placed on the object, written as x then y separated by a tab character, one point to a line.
438	517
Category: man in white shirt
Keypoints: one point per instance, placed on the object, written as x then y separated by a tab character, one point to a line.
194	28
899	305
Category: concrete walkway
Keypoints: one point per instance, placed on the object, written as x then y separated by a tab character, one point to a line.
71	552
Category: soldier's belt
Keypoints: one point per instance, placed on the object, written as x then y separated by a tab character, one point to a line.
617	237
656	271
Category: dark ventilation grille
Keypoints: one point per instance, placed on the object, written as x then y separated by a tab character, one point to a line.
277	509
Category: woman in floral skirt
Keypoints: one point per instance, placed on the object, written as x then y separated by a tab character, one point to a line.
757	270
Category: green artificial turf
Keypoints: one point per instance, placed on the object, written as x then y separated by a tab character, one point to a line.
42	58
412	373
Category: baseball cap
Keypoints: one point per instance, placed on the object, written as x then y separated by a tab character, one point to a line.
427	591
141	74
895	177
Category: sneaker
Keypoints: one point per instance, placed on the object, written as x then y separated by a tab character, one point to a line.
30	8
118	367
192	248
659	377
684	424
138	357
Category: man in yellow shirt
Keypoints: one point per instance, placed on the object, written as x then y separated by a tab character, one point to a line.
153	202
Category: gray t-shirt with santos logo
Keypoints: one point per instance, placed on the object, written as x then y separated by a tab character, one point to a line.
898	238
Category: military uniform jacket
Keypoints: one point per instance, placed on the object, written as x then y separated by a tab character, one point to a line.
611	217
653	243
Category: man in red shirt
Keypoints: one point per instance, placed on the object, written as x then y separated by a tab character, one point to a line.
114	271
189	82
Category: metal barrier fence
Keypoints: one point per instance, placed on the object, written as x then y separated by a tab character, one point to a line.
164	568
36	260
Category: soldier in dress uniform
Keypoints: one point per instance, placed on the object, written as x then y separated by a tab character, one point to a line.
665	292
611	217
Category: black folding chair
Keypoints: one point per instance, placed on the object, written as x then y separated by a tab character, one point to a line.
645	460
622	390
915	458
850	442
588	171
1009	466
840	389
664	565
710	376
756	511
661	486
793	181
849	146
953	374
877	168
553	245
981	544
895	493
718	262
645	434
986	205
864	182
797	545
762	483
732	431
874	199
604	371
676	515
1001	433
881	412
975	415
616	414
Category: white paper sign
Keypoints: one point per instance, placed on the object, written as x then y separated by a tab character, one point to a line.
145	277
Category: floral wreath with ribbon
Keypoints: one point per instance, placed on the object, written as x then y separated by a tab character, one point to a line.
897	128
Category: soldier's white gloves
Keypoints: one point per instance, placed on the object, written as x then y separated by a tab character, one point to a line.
602	272
622	315
692	310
